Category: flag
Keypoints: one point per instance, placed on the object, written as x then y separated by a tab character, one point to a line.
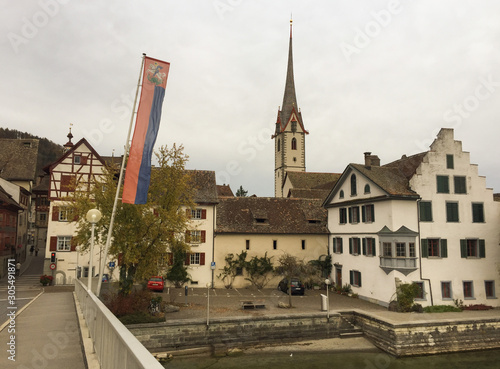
138	171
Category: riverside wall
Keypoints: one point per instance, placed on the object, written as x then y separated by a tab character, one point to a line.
428	337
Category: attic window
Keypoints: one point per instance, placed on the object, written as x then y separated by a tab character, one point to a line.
27	144
77	159
314	221
341	194
260	220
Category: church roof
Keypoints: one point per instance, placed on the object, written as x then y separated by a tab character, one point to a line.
270	215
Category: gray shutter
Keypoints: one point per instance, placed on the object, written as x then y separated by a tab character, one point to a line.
463	248
444	247
482	249
425	248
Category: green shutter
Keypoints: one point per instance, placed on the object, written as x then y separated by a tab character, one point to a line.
350	245
425	248
364	246
449	162
374	248
363	213
373	213
359	279
463	248
444	247
350	215
443	184
351	277
482	249
341	245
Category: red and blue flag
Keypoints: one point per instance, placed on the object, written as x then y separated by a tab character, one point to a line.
138	171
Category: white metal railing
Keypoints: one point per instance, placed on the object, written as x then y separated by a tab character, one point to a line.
390	262
114	345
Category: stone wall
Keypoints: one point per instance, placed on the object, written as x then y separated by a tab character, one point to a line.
429	337
230	332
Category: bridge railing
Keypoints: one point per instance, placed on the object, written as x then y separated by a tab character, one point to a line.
114	345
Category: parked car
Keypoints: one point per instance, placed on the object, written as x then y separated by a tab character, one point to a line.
296	285
156	283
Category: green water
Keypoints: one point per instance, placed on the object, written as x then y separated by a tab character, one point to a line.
473	360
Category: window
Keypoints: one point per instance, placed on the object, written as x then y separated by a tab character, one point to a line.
64	214
337	245
446	290
294	143
303	244
489	287
42	217
77	159
460	184
452	212
368	213
195	236
369	246
343	215
477	212
411	250
354	214
387	249
247	244
354	246
400	249
353	185
279	145
472	248
442	184
468	289
367	188
341	194
425	208
294	126
421	293
355	278
196	214
275	244
64	243
194	258
434	247
449	162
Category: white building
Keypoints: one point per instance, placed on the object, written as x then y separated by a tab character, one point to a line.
427	218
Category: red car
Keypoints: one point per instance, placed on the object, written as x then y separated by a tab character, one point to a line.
156	283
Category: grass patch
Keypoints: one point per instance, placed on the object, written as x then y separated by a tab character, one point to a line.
441	309
140	318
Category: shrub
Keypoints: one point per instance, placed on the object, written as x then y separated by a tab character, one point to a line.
441	309
477	307
136	302
46	279
140	318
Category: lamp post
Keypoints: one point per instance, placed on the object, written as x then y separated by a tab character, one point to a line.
93	216
208	304
327	282
78	249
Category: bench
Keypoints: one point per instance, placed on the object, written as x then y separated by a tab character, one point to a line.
248	304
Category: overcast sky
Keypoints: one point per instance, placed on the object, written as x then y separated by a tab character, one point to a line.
379	76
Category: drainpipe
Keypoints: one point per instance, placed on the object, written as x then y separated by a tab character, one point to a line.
213	242
420	253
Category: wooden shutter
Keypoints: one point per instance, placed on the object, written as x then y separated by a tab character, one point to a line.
203	213
55	213
187	261
463	248
373	212
350	245
351	277
359	274
350	215
53	243
83	160
202	258
364	245
425	248
374	248
203	236
341	245
73	244
444	247
482	249
363	213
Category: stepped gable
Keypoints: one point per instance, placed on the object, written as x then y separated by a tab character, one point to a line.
271	215
18	159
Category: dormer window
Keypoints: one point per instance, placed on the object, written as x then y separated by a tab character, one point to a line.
367	188
341	194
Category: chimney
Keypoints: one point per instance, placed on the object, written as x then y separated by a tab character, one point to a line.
371	160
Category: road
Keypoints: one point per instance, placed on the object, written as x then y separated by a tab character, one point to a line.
27	287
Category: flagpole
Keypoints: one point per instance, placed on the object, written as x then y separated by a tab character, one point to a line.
117	195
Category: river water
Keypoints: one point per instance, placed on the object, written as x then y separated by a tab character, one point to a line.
346	360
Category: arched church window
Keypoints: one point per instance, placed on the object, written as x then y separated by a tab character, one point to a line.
353	185
367	188
294	143
279	144
341	194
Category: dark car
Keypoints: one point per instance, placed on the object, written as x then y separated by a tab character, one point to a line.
156	283
296	285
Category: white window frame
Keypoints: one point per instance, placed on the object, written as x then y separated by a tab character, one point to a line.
63	243
194	258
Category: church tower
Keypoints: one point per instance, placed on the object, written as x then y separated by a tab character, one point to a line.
289	136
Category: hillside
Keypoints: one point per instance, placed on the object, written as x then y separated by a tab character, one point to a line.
48	151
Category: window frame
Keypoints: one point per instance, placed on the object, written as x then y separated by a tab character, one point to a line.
459	187
450	209
64	243
425	210
475	210
337	245
354	189
354	246
490	294
294	143
369	246
447	289
421	296
442	186
343	216
355	278
450	161
469	288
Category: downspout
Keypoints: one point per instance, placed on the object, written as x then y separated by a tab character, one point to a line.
420	253
213	242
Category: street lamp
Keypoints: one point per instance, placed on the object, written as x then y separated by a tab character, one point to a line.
327	282
208	304
93	216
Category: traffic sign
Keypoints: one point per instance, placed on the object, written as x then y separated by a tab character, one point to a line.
52	266
111	264
212	265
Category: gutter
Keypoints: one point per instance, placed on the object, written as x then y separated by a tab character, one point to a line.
420	252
